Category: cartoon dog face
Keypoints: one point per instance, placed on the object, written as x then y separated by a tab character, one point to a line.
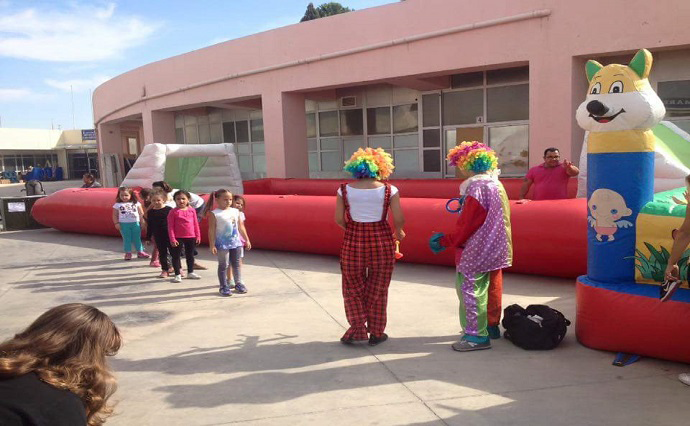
620	97
607	205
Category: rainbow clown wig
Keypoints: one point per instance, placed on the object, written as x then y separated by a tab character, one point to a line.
370	163
473	157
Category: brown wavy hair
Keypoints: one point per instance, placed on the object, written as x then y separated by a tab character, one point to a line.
67	348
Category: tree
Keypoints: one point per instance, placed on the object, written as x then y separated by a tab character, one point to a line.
310	14
332	8
326	9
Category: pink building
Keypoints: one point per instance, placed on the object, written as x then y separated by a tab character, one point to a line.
413	77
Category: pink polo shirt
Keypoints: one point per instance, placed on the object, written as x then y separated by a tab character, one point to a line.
549	183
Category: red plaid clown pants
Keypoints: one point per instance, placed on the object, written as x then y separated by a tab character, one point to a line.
366	262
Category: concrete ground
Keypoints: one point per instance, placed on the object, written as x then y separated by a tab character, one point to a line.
15	189
272	356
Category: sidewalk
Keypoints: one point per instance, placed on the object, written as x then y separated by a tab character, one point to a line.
272	356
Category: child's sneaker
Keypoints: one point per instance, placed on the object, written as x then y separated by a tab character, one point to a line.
193	276
684	378
155	263
177	279
231	284
128	256
240	288
667	289
225	292
143	255
164	274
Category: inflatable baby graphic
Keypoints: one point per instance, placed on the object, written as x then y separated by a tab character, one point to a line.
606	210
620	109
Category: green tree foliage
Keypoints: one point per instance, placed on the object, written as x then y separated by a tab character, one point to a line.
332	8
310	14
326	9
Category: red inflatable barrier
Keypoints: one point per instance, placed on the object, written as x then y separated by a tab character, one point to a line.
620	322
409	188
549	237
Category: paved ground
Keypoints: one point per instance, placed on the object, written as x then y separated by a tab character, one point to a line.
15	189
272	356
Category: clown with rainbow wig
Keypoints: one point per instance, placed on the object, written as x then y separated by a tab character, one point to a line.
482	240
367	254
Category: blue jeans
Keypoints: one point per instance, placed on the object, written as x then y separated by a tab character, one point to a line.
131	234
231	256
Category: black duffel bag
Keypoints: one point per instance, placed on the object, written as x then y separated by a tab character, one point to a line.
537	327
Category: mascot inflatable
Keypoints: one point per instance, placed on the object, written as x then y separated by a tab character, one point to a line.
618	300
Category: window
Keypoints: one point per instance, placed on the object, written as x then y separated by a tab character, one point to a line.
430	106
431	134
229	132
9	163
511	145
132	146
242	131
379	121
676	98
490	106
257	130
342	132
463	107
351	122
405	118
311	125
470	79
507	75
328	123
507	103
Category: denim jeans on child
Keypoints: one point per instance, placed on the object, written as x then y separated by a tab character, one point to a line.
232	257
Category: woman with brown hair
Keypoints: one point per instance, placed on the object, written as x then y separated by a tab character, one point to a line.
55	372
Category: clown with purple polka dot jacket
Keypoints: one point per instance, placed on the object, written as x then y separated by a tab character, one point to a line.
482	237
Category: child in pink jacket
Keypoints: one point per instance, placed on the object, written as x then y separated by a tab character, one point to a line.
183	230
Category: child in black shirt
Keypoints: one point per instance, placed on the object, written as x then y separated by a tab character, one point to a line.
157	218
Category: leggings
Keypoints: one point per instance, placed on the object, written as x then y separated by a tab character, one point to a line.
233	257
163	248
188	244
131	234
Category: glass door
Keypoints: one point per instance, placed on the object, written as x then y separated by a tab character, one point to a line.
453	137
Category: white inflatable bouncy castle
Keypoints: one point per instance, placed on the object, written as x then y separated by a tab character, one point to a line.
200	169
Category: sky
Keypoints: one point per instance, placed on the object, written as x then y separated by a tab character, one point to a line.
54	53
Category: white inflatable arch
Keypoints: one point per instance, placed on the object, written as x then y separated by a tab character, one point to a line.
201	169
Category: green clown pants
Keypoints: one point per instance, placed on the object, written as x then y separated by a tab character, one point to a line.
473	293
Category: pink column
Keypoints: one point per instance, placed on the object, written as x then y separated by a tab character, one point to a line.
285	135
551	107
109	142
159	127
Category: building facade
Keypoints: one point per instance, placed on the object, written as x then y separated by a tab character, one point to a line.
414	77
73	150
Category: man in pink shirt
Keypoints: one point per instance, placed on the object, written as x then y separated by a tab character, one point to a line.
550	179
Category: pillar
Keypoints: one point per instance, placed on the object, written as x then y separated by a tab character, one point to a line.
109	144
159	127
285	135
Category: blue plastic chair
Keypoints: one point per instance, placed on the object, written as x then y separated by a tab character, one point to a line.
59	174
48	173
